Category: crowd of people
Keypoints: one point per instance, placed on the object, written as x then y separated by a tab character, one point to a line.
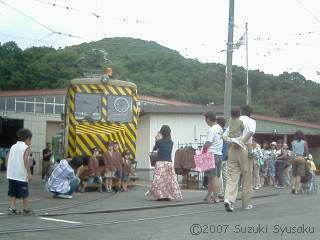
240	162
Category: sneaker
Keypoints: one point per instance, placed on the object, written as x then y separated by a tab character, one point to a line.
256	188
63	196
249	207
109	191
28	212
228	206
278	186
12	211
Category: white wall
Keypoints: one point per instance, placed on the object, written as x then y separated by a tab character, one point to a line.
185	128
143	142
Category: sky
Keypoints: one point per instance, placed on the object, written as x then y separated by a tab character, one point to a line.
283	35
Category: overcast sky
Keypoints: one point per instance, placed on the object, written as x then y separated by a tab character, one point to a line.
284	35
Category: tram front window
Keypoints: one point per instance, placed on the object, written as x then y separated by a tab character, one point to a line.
87	106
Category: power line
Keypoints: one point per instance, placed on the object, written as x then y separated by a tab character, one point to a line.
49	34
41	24
57	5
311	14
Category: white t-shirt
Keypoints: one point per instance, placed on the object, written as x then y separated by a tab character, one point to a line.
16	169
215	139
249	126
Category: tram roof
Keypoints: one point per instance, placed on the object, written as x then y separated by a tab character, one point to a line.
113	82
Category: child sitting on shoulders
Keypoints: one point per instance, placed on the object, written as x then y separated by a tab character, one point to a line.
126	167
94	172
235	129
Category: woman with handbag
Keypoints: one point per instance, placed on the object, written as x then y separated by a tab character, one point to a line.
164	185
299	150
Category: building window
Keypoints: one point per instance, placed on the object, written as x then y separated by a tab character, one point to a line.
20	106
58	109
39	108
87	106
40	99
30	107
50	99
59	99
49	108
39	104
2	104
10	104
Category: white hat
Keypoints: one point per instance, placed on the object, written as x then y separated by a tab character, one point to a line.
273	143
310	157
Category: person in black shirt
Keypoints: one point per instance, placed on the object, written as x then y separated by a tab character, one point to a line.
46	153
164	185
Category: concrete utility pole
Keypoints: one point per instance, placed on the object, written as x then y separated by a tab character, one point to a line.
228	80
247	68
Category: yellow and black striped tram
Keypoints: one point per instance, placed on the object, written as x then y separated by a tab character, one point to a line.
100	110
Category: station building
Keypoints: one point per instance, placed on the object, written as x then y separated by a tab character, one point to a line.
40	111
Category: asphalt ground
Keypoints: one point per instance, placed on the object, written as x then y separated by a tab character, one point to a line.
280	216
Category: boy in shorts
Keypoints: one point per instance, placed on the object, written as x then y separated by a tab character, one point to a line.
94	172
18	172
109	166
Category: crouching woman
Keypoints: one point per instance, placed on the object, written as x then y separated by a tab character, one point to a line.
64	179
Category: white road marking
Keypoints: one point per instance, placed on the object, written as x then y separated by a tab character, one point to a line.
2	213
58	220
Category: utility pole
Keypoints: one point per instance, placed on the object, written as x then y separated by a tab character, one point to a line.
247	67
228	80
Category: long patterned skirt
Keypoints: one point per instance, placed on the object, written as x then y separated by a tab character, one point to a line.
164	184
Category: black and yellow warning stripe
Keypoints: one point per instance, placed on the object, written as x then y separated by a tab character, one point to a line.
84	135
94	136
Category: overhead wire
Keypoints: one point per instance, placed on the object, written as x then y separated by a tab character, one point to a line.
310	13
39	23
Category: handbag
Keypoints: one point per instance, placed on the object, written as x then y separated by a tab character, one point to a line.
153	158
204	161
299	159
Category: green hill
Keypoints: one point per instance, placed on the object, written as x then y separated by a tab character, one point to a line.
158	71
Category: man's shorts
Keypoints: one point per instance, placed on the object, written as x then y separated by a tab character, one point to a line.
216	172
94	179
18	189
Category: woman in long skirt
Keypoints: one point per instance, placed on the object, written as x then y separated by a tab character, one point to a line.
164	185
